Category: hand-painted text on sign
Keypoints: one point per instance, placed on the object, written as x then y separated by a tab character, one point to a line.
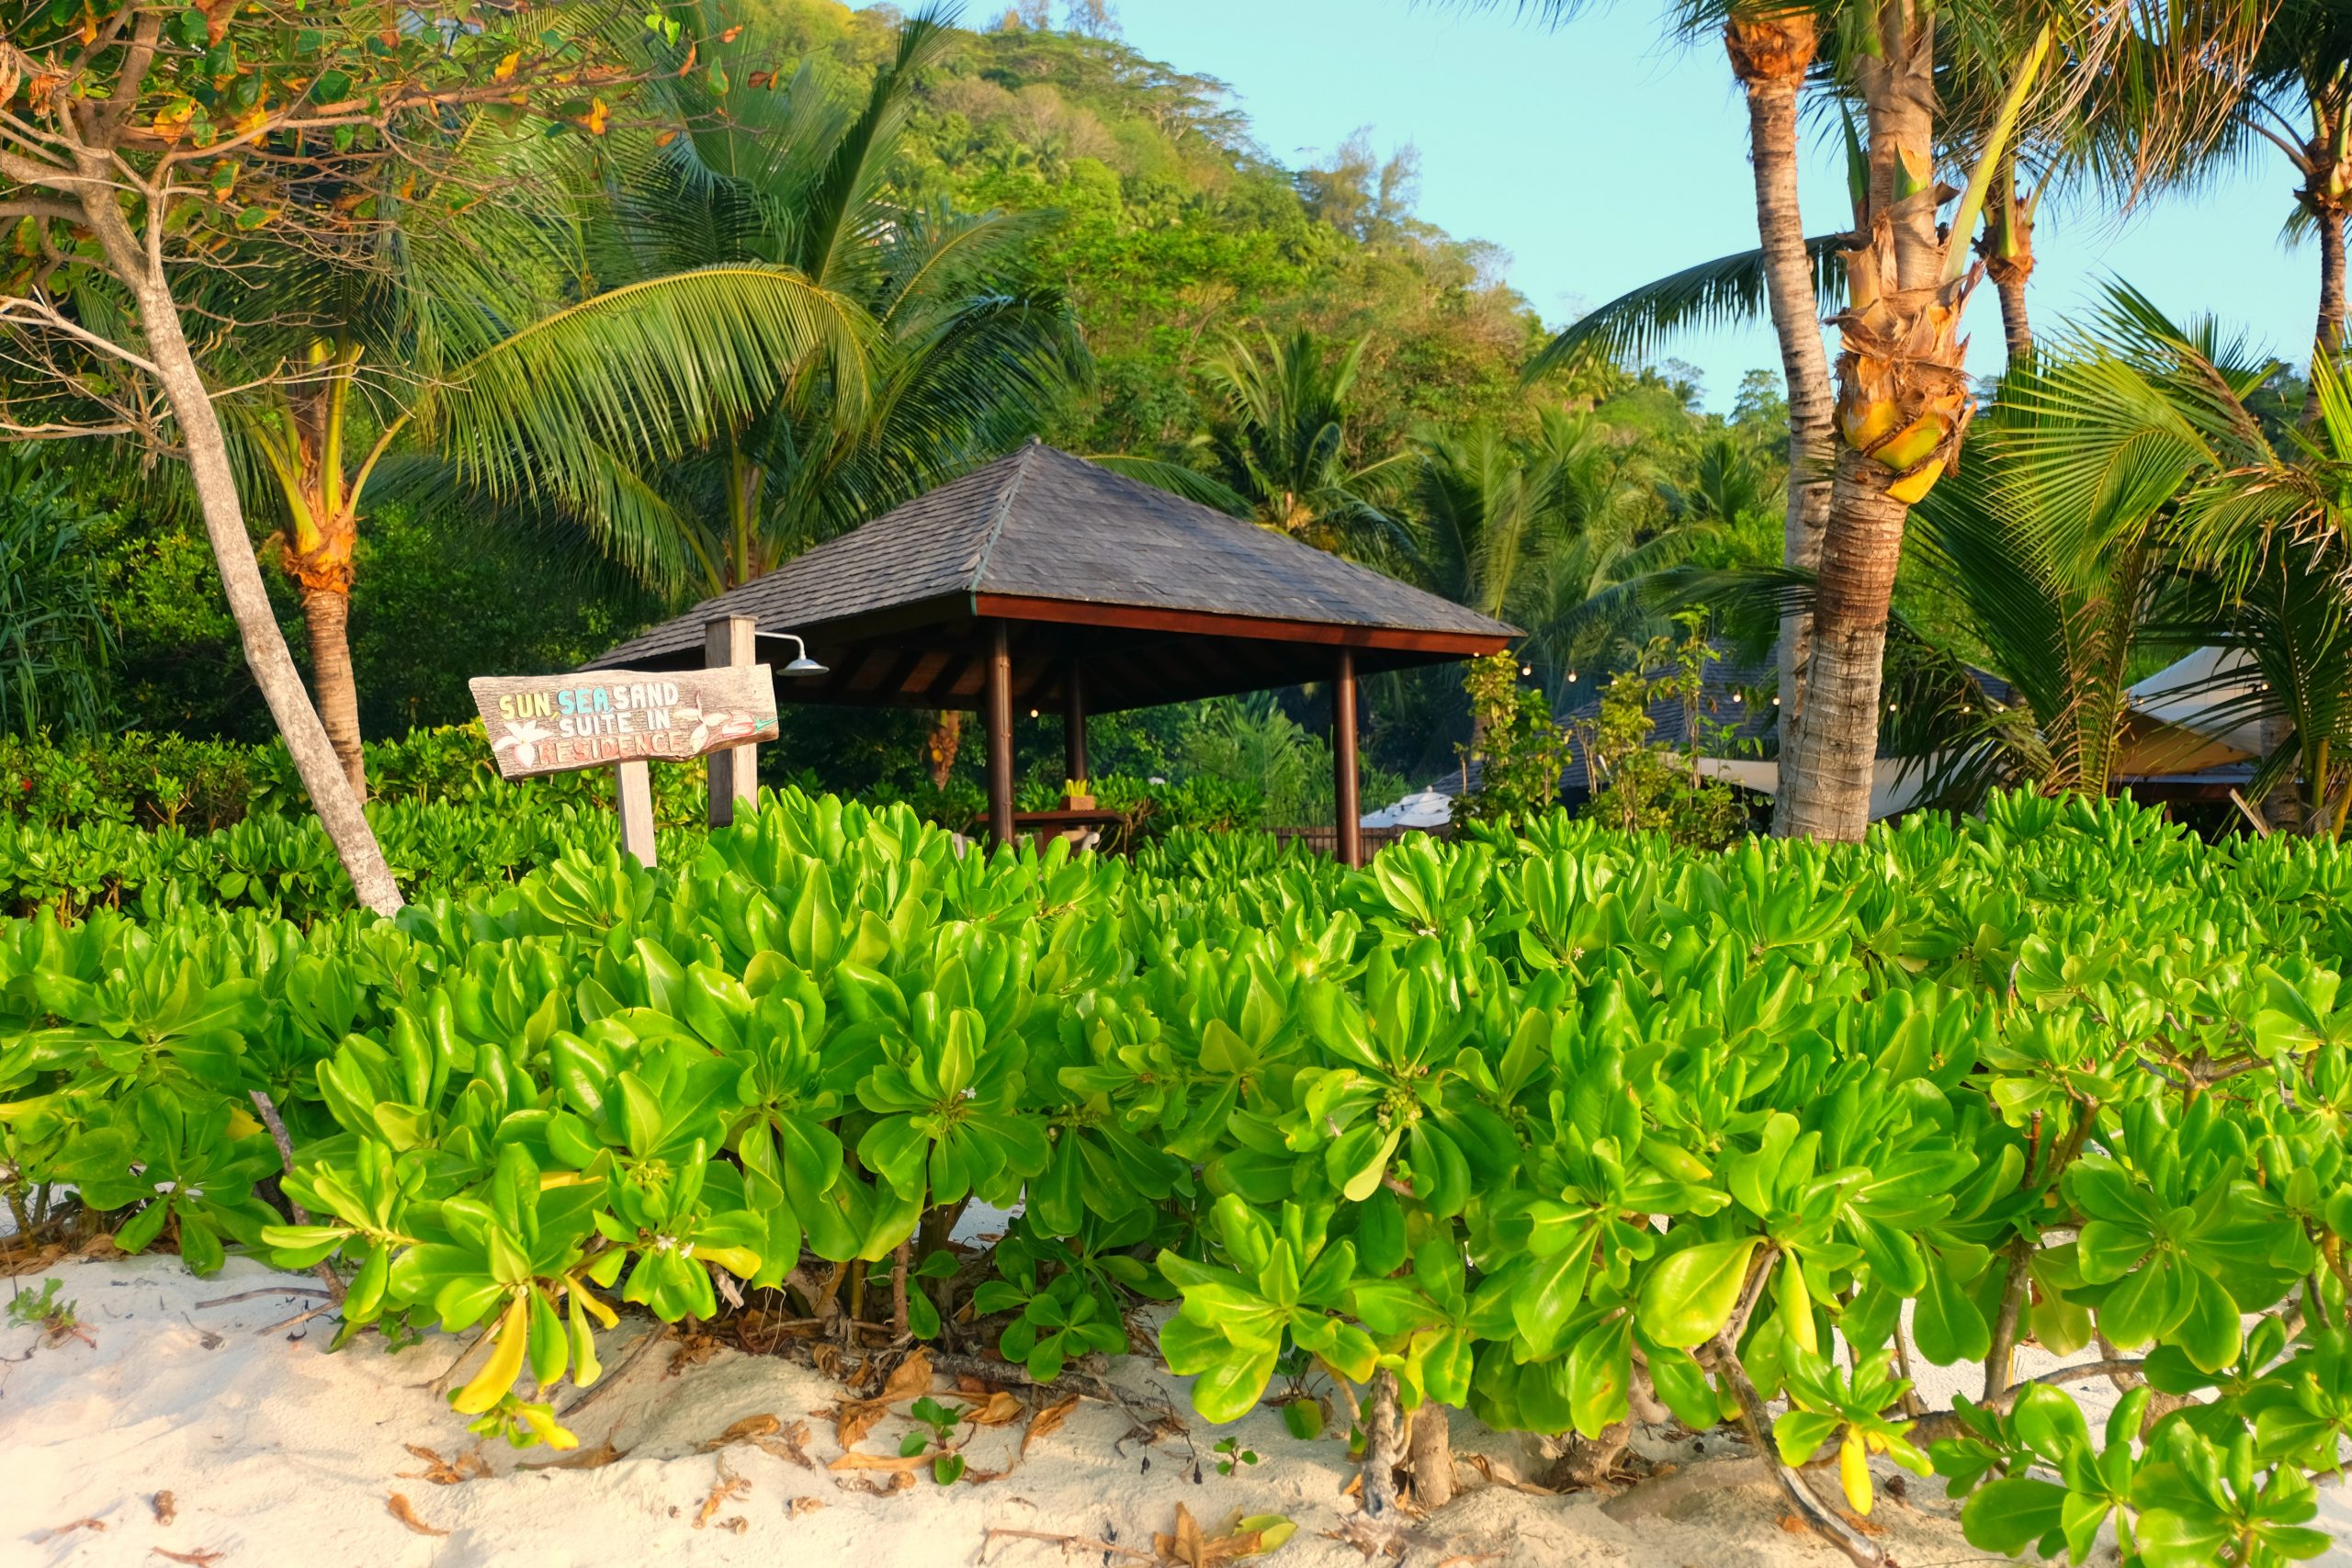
553	724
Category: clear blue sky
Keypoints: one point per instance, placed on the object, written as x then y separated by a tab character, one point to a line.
1600	157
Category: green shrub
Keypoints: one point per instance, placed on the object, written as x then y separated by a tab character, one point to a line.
1521	1120
55	640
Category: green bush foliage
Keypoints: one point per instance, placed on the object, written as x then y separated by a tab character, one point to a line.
1519	1119
1520	749
157	823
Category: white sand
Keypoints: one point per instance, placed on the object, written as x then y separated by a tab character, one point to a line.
277	1453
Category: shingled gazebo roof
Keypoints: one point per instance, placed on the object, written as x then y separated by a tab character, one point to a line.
1149	597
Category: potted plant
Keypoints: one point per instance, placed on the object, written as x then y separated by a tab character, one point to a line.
1076	795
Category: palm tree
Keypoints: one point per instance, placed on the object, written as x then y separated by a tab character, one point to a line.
1479	505
965	357
1280	447
2132	496
1903	396
1771	45
2060	614
1556	533
1903	393
1611	522
449	334
2300	100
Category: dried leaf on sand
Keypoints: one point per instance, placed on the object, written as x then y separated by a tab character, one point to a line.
442	1471
853	1418
199	1559
397	1505
743	1431
790	1446
909	1379
1048	1421
1001	1408
1189	1546
78	1525
898	1481
879	1461
723	1491
166	1506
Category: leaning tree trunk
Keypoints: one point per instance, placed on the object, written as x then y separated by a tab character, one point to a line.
233	551
1901	401
1770	54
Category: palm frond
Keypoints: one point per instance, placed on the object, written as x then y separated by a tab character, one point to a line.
651	367
1726	291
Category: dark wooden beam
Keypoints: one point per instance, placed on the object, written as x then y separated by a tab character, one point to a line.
1345	789
919	681
1033	682
904	669
873	671
1000	727
1074	720
971	681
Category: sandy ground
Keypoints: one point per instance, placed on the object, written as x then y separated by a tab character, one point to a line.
277	1453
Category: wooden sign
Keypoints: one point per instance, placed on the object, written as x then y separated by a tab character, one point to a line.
557	724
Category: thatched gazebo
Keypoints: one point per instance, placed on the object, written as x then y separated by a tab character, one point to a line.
1044	582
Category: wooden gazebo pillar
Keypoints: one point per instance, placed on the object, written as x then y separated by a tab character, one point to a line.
734	774
1074	722
1346	792
997	701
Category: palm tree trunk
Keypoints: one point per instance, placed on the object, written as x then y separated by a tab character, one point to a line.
233	550
1770	54
2007	246
1849	610
1897	376
946	739
301	438
2329	339
326	617
2017	327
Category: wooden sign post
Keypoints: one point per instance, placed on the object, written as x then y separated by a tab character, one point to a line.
623	719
